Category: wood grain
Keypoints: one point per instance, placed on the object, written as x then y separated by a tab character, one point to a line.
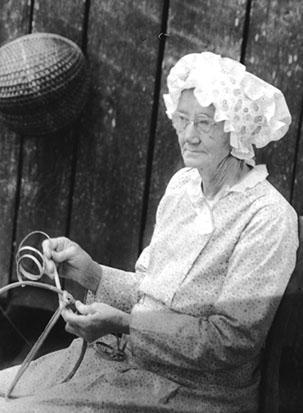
122	50
193	27
14	18
14	22
274	53
295	61
62	17
47	160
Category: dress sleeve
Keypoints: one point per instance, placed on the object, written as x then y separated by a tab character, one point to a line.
118	288
259	269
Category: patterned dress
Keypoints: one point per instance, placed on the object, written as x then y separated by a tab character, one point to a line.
201	300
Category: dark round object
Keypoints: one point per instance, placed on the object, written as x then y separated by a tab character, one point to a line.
43	83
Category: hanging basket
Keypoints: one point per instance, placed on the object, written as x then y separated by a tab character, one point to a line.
43	83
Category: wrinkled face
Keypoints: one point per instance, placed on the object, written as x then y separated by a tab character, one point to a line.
203	143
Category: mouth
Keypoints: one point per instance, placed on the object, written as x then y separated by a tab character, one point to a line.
193	151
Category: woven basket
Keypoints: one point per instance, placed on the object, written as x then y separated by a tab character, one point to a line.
43	83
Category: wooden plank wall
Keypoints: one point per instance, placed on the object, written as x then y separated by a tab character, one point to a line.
14	22
100	181
274	52
221	33
110	178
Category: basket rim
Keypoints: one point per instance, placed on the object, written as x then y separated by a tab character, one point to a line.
40	35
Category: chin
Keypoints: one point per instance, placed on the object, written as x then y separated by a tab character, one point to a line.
193	162
193	165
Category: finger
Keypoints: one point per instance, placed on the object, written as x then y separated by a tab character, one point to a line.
50	268
51	244
47	248
74	319
64	255
71	329
58	243
66	313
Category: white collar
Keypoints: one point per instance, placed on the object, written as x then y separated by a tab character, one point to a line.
256	175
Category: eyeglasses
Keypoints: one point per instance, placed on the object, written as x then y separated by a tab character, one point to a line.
201	123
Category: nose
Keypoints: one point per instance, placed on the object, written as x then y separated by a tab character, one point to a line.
191	135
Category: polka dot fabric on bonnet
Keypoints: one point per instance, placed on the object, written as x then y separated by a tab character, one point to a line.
254	111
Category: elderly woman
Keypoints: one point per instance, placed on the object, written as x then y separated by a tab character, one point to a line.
196	312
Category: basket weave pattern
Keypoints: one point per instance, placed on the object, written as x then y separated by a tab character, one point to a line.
43	83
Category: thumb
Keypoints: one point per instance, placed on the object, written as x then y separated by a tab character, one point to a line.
83	308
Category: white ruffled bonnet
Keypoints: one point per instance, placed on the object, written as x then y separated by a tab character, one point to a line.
254	111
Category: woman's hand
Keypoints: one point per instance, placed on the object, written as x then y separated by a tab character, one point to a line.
95	320
76	264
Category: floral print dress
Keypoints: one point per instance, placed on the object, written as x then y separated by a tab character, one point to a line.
201	300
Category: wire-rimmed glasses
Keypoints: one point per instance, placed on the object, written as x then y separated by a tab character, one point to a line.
202	123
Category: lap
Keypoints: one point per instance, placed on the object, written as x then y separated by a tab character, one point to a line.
99	385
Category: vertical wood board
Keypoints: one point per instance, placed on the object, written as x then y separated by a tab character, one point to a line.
14	22
193	27
9	156
14	18
295	61
122	50
297	196
274	53
64	17
47	160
